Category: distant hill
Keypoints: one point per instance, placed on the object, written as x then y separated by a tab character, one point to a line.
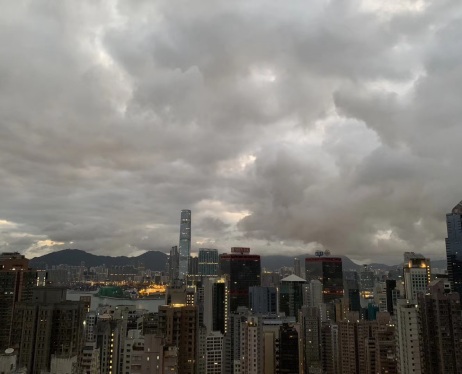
153	260
156	260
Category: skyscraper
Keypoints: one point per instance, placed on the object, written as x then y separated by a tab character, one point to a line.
243	271
263	300
416	271
291	295
208	262
173	264
454	248
328	270
288	350
185	243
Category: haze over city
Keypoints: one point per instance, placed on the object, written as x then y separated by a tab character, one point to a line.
286	127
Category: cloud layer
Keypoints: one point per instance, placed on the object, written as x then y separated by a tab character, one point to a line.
284	126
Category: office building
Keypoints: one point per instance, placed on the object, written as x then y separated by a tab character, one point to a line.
392	294
454	248
288	350
174	264
416	274
185	244
291	295
263	300
193	269
328	270
178	323
409	350
366	282
441	329
208	262
242	271
215	304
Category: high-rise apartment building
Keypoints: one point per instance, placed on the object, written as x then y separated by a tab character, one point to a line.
328	270
243	271
417	275
330	348
214	353
208	262
178	323
291	295
185	243
47	325
441	329
454	248
251	359
310	319
16	282
407	331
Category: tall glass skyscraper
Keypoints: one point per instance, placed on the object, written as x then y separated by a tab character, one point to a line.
185	243
328	270
208	262
454	248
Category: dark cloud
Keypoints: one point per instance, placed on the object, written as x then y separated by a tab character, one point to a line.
282	126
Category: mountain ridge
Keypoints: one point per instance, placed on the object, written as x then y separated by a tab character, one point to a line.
157	260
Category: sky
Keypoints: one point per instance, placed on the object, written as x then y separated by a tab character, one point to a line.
285	126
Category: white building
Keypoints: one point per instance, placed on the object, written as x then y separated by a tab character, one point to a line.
407	330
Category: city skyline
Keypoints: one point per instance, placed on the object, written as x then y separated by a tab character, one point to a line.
284	127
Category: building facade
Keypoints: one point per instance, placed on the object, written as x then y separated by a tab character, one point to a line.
185	244
243	271
454	248
328	270
208	262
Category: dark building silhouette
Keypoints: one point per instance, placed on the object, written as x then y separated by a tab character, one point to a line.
441	329
45	325
328	270
174	264
392	293
16	283
243	271
354	300
454	248
291	295
287	358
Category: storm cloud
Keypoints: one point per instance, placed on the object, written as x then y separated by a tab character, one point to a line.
284	126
